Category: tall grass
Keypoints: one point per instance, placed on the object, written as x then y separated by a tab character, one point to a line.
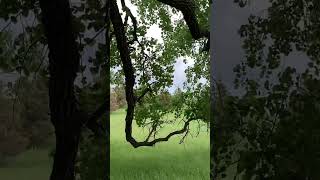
166	161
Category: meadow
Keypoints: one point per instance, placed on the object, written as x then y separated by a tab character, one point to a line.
165	161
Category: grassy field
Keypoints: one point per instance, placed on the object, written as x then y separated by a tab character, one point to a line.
166	161
30	165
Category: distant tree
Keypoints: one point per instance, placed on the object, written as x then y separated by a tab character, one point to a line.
119	93
24	118
13	139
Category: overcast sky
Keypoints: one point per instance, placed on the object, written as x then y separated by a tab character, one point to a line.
226	43
154	31
179	67
227	17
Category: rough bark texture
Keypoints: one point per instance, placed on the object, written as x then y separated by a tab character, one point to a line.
63	65
66	117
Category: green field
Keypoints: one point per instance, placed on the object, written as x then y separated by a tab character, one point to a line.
166	161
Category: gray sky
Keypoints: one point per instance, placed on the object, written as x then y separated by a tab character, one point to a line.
226	45
227	17
154	31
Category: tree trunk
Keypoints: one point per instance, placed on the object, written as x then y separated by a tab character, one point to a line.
63	66
108	60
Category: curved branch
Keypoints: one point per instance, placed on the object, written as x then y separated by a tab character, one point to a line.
153	142
123	47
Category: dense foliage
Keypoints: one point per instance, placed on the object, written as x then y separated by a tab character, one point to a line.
24	53
272	132
154	59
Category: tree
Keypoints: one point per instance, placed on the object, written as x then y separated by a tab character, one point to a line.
24	119
68	42
153	62
269	133
117	98
63	65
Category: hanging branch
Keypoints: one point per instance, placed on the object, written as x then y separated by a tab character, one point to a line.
123	47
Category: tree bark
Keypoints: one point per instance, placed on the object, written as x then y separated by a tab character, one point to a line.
63	66
108	60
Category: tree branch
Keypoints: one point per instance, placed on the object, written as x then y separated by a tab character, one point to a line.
133	19
188	9
153	142
123	47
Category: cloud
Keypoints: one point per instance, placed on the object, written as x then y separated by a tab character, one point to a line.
179	75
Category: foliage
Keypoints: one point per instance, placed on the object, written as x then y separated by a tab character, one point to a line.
272	132
92	158
153	61
26	53
25	121
170	160
117	98
34	111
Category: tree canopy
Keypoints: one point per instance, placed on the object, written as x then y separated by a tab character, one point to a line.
272	132
148	64
75	44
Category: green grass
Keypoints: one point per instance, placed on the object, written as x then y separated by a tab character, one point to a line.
166	161
30	165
